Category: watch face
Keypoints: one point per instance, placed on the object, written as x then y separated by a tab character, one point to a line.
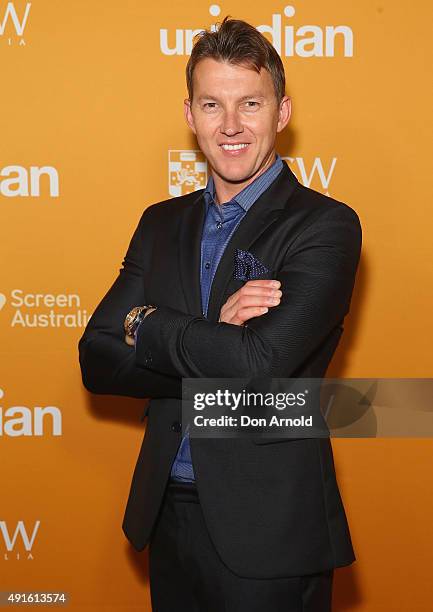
130	318
134	312
139	318
134	317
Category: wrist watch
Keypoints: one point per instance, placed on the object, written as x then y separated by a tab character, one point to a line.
134	318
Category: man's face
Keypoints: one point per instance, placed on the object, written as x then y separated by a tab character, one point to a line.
235	116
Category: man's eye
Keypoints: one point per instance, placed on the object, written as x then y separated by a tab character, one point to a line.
251	103
210	105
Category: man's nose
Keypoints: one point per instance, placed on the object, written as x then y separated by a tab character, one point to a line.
231	123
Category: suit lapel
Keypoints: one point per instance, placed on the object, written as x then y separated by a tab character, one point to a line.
258	218
189	253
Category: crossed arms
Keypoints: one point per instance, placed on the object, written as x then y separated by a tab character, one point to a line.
317	279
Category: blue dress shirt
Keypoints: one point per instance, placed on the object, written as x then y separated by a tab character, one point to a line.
220	223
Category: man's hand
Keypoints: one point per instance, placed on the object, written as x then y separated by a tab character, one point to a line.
251	300
129	340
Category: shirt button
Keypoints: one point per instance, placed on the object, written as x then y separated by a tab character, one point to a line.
219	225
176	426
207	265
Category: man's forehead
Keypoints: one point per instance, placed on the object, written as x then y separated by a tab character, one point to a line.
215	76
209	65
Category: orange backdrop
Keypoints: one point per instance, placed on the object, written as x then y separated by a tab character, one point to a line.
92	132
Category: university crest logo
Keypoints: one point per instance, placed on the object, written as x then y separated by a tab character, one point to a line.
187	172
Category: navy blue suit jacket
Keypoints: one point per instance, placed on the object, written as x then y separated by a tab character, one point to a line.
272	506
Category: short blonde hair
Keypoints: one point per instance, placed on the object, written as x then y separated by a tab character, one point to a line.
237	42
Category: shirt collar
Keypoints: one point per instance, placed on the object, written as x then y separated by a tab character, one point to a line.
249	194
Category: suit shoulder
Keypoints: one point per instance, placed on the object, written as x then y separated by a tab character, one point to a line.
320	204
172	206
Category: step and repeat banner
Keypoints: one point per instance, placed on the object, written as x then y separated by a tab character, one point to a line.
91	133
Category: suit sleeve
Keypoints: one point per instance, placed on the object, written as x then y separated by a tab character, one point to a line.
317	280
107	363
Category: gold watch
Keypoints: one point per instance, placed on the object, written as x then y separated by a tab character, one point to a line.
134	318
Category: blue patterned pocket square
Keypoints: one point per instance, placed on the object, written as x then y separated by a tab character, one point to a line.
247	267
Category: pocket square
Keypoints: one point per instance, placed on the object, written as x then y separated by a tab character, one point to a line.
247	267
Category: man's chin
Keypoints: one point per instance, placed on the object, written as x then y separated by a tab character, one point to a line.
235	175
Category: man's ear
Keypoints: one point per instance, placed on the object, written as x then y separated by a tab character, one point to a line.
188	114
284	113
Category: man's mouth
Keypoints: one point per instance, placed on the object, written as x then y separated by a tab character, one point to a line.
234	147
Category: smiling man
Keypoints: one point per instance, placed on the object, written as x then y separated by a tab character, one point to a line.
250	277
235	112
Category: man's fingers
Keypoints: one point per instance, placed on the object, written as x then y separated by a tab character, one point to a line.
247	307
260	288
257	300
263	282
243	300
251	300
244	314
259	291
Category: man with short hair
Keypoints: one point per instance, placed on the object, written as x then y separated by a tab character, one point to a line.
250	277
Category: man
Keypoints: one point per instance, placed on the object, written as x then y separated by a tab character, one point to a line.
233	524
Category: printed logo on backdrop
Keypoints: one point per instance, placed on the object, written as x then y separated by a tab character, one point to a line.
17	540
13	21
286	32
40	310
18	181
187	172
36	421
316	174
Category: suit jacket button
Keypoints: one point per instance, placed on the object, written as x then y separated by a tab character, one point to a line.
176	426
